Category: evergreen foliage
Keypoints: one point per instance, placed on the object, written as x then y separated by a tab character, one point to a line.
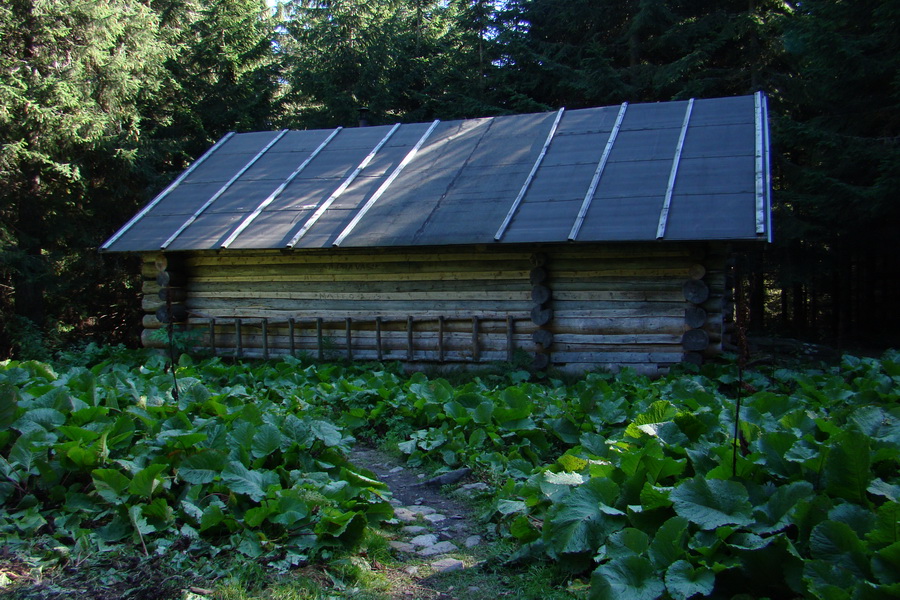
101	103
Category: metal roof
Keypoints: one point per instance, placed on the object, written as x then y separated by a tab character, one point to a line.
687	170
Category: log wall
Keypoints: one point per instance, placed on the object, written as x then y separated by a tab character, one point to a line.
575	307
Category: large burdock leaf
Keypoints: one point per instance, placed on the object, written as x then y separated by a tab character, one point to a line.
325	431
837	544
582	520
202	467
684	581
627	578
266	440
242	480
145	481
712	503
847	467
111	485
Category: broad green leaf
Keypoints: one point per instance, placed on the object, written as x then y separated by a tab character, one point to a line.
886	530
847	467
885	490
242	480
457	412
580	521
255	516
837	544
658	412
326	432
111	485
47	419
212	516
669	543
627	578
483	413
78	434
292	508
627	541
683	581
511	507
712	503
345	527
266	440
523	530
775	514
886	564
9	404
145	481
140	524
114	531
828	581
202	467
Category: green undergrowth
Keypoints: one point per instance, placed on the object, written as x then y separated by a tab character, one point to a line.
608	486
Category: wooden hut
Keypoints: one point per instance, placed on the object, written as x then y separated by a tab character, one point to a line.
584	238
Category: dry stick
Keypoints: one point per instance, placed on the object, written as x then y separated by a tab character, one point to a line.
171	329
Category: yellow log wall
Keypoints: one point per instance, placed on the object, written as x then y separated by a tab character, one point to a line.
612	305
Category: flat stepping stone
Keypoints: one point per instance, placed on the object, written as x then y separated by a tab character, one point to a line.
414	529
421	510
472	541
445	565
403	547
428	539
439	548
405	515
435	518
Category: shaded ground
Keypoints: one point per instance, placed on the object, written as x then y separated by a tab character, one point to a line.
407	576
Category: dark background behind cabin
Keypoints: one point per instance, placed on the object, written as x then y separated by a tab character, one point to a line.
94	122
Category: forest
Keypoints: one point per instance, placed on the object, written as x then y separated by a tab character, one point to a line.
103	102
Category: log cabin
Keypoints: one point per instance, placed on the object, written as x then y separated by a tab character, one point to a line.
577	239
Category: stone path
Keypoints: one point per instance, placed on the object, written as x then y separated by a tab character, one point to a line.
430	525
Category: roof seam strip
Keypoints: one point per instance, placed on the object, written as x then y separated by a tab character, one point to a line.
340	190
768	168
222	190
537	163
598	172
384	186
759	179
265	203
166	191
676	160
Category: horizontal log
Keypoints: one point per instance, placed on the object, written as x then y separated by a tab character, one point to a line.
258	306
261	276
632	324
617	296
374	286
302	294
617	357
618	339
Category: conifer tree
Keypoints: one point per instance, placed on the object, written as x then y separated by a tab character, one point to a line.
74	73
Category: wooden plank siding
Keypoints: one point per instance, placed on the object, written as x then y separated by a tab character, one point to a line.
612	305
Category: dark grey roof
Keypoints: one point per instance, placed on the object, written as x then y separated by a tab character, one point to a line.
688	170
